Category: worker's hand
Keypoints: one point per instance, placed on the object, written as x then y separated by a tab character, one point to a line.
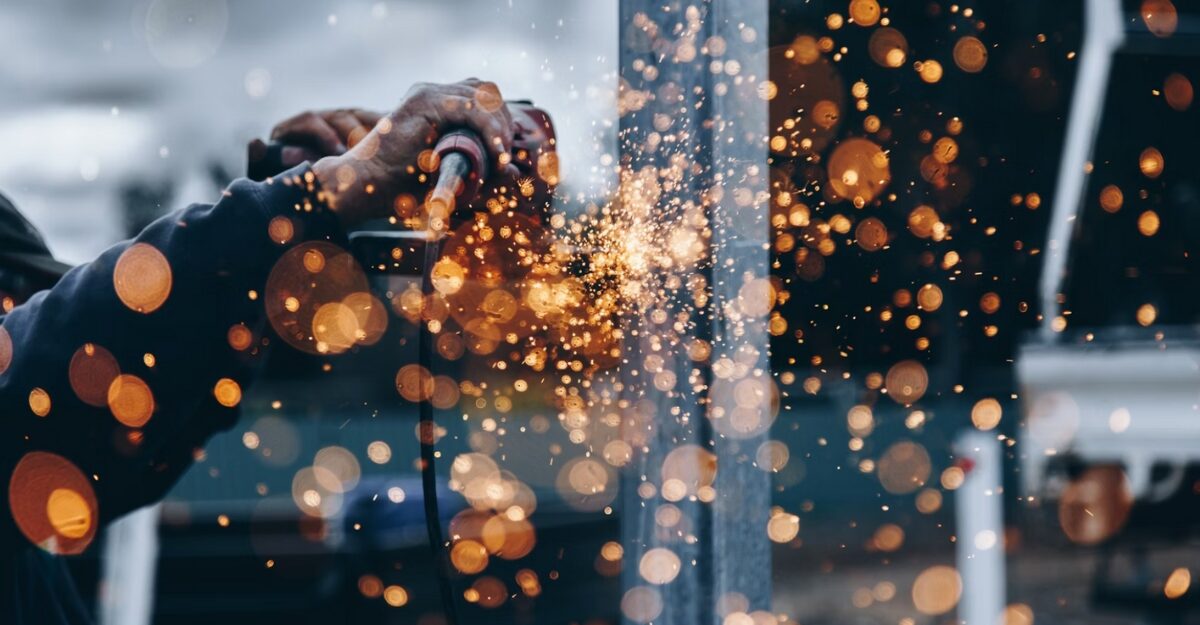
364	182
330	132
313	135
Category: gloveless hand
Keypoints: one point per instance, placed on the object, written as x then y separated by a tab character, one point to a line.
364	182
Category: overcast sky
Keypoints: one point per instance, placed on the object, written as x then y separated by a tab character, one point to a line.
96	93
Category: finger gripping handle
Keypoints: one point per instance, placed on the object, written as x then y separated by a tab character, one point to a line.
469	145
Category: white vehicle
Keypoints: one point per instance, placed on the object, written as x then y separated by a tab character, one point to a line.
1112	378
1130	403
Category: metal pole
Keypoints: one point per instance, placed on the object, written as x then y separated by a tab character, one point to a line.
705	107
979	514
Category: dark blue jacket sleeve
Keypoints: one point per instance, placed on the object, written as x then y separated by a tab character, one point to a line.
62	422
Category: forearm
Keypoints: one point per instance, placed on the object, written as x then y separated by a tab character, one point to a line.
163	305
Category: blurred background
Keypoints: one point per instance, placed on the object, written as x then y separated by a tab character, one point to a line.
987	360
1070	351
141	107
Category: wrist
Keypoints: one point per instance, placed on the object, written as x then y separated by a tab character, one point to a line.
346	188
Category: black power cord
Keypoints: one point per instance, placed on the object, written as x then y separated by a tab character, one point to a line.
428	430
266	160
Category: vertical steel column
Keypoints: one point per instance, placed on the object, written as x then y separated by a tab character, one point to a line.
741	300
695	89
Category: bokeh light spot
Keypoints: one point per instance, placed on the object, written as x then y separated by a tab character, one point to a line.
142	278
130	400
52	503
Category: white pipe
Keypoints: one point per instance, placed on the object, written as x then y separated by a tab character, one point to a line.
979	514
1103	34
129	563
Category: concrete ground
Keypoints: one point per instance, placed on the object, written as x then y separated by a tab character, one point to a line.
1055	582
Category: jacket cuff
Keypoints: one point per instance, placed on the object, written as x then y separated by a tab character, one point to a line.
297	198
